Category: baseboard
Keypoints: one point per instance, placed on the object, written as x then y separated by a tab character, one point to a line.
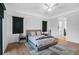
73	41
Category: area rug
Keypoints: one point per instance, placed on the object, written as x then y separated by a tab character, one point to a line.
53	50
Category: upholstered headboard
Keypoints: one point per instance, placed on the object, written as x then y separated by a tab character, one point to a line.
31	32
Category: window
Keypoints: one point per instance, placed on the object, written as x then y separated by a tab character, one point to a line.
17	25
44	26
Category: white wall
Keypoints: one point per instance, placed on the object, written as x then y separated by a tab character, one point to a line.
8	37
54	26
5	40
34	22
73	27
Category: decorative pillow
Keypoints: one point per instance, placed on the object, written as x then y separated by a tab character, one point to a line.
38	33
33	34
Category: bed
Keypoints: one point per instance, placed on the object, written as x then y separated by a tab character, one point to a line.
39	41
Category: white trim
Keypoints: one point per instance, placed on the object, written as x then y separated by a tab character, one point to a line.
30	13
23	13
39	15
65	13
73	41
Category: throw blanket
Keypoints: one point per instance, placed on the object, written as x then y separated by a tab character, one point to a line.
44	37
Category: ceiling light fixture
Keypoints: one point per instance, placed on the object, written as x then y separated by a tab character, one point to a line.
50	6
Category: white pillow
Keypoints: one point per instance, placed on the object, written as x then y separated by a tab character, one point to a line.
38	33
33	34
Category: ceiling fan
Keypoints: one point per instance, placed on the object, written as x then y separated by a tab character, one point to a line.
50	6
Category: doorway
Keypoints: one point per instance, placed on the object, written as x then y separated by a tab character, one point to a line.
62	24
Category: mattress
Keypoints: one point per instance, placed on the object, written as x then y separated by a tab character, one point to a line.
41	42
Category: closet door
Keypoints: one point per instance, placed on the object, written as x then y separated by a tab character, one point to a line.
0	35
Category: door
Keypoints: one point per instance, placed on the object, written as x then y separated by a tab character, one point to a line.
0	35
62	27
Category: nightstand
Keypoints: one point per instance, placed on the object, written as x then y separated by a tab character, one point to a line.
22	39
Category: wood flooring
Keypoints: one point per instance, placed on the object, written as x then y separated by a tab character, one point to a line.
16	49
22	49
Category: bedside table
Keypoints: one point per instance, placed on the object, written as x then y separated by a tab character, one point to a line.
22	39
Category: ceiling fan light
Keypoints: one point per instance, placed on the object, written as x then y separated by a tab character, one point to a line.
50	6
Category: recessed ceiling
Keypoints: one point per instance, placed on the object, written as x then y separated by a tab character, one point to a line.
37	8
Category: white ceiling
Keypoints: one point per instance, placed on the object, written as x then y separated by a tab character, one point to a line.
36	9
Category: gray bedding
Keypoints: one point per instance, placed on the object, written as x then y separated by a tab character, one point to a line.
44	37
